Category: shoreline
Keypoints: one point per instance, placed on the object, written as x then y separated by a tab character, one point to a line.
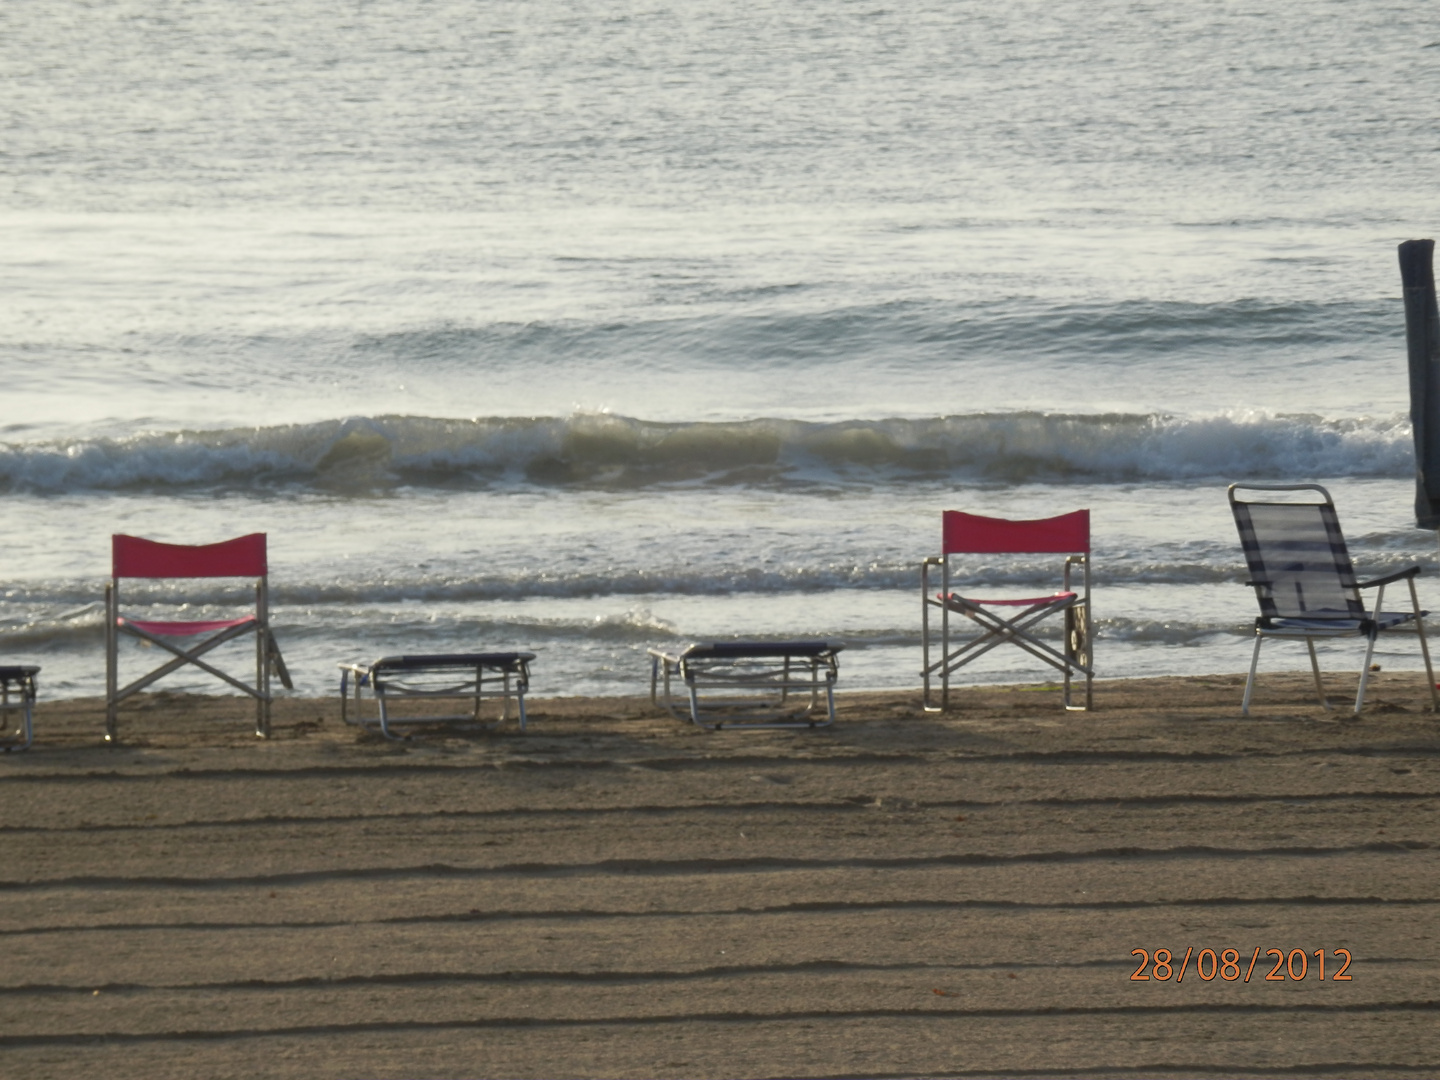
182	718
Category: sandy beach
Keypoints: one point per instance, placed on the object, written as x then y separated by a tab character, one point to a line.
581	330
614	893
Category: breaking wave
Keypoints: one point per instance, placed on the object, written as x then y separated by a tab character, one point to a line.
617	451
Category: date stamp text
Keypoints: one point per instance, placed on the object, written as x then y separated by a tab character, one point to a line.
1230	965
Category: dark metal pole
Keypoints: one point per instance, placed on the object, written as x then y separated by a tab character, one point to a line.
1422	337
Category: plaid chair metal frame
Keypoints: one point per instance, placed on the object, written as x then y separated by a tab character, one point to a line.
975	534
242	557
1305	583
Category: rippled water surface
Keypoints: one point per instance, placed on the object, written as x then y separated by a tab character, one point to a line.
587	327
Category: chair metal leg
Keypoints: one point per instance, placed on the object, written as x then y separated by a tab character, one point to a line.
1424	649
521	685
1315	670
1250	682
262	660
1365	667
945	637
1077	653
278	669
1088	655
112	677
1070	651
924	637
262	684
381	706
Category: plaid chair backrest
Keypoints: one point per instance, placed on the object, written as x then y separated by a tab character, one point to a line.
1298	560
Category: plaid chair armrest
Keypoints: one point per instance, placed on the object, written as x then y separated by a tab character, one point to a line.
1399	575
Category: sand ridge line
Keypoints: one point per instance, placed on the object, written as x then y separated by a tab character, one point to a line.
859	803
571	915
506	978
771	864
709	761
939	1013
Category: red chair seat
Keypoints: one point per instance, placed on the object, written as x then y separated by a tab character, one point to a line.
1016	603
183	629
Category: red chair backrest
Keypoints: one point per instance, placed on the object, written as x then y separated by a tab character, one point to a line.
130	556
975	534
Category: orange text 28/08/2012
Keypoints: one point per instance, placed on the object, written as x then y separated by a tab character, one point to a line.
1294	965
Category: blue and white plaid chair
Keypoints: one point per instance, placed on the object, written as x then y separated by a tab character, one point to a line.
1305	583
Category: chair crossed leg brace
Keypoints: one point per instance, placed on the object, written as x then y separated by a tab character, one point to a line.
133	557
1068	534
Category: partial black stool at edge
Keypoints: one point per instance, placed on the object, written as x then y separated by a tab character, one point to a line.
18	680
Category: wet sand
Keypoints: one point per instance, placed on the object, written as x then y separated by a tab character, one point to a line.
615	893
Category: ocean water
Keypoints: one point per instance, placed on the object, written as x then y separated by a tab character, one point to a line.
583	327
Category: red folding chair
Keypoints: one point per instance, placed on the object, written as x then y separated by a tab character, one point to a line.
1008	621
132	557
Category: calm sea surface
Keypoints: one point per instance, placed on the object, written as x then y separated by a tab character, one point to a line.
586	327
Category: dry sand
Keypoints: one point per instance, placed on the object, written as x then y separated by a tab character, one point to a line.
617	894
